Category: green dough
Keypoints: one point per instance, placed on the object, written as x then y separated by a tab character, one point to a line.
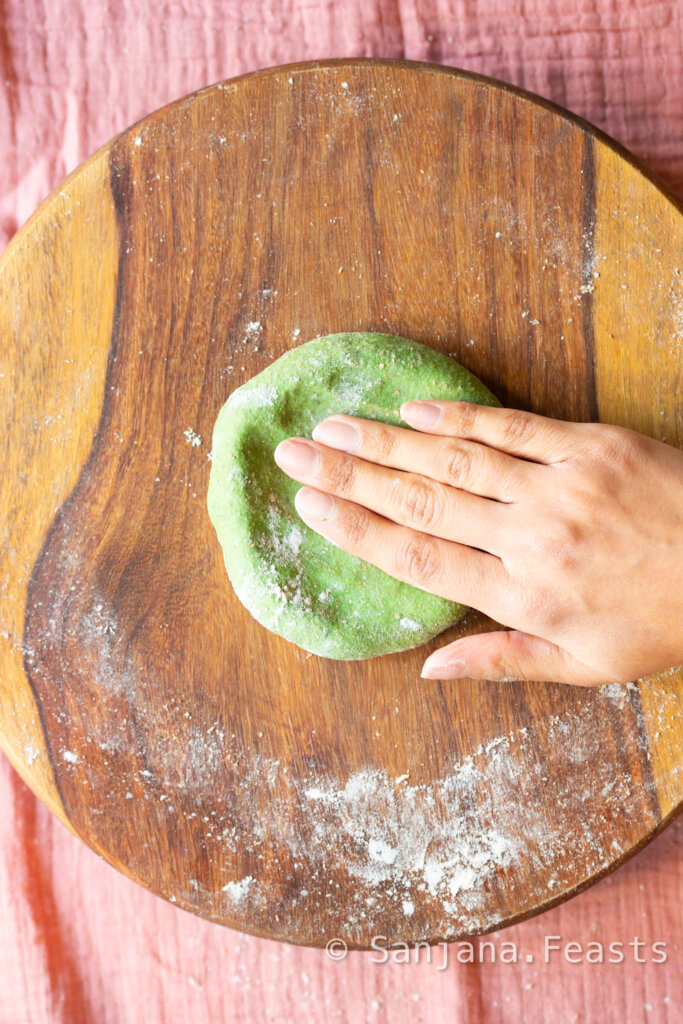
291	579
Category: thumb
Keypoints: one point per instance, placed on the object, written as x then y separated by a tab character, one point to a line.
508	655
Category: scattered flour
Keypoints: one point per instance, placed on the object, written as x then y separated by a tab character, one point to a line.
352	394
251	331
192	438
238	890
411	624
257	396
381	852
294	539
31	753
446	854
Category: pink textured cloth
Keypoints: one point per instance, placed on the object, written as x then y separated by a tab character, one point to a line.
79	943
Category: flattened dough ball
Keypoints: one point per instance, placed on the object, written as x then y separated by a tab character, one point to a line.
292	580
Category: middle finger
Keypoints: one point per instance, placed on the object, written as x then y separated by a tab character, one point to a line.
464	464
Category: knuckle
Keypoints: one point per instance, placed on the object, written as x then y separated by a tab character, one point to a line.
464	416
356	525
517	426
417	558
457	465
383	442
557	544
342	474
503	660
618	446
418	503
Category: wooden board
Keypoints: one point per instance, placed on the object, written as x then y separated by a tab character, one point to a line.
221	767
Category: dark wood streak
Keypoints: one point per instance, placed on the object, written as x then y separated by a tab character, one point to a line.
33	634
649	783
120	185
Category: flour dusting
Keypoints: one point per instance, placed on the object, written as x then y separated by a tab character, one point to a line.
238	890
444	854
192	438
412	840
411	624
352	394
256	396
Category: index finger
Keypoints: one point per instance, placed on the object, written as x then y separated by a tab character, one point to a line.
534	437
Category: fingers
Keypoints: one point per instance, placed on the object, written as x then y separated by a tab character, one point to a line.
508	655
441	567
452	461
408	499
510	430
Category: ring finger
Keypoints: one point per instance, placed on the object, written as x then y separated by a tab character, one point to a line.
441	567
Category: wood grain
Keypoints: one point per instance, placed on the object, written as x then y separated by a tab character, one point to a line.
213	762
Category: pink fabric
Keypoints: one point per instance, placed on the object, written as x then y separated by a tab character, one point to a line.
80	943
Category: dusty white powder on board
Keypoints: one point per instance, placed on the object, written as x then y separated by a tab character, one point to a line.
251	331
437	847
192	437
238	890
31	753
381	852
404	837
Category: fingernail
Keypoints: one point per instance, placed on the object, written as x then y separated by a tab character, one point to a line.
337	434
454	670
423	414
297	457
314	504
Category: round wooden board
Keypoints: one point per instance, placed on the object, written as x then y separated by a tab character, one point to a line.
218	765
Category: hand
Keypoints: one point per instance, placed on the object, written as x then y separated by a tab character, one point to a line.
570	533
